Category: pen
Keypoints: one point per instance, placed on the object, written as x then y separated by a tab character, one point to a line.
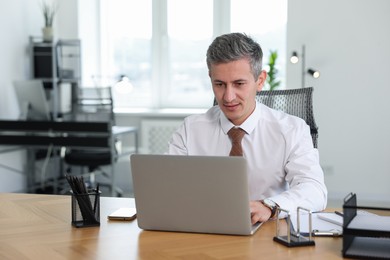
339	213
96	199
332	232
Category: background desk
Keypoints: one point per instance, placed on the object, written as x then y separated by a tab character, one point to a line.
39	227
72	134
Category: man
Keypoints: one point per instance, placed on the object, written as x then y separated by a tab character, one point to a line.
283	165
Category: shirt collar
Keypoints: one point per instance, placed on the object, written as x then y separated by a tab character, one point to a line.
248	125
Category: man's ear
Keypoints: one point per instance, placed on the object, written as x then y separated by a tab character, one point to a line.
261	80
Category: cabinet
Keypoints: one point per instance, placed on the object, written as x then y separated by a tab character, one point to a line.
58	65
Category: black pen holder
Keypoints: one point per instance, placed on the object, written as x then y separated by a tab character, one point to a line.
86	209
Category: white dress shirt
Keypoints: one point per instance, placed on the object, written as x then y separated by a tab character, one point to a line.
283	165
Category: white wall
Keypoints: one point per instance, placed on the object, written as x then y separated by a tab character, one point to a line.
18	21
349	42
66	21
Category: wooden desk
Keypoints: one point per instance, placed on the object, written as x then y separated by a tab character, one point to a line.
39	227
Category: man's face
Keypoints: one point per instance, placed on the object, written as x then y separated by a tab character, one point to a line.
235	89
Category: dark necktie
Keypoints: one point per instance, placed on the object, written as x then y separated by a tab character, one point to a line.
236	135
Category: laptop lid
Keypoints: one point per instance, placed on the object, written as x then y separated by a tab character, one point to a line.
32	100
203	194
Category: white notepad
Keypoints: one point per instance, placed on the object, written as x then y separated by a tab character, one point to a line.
319	223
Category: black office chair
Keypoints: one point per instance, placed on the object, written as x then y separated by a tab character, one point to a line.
94	105
297	102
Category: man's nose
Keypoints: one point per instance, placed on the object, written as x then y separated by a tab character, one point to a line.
229	95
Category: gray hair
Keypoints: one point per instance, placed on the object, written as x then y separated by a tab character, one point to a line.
235	46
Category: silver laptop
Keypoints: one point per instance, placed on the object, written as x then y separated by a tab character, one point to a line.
202	194
32	100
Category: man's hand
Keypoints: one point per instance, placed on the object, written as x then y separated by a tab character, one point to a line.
259	212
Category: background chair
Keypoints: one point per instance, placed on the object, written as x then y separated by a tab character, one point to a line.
94	105
297	102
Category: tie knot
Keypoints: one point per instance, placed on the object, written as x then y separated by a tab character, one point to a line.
236	134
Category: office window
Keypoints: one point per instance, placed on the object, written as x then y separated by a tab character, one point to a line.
266	22
190	32
160	45
126	38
